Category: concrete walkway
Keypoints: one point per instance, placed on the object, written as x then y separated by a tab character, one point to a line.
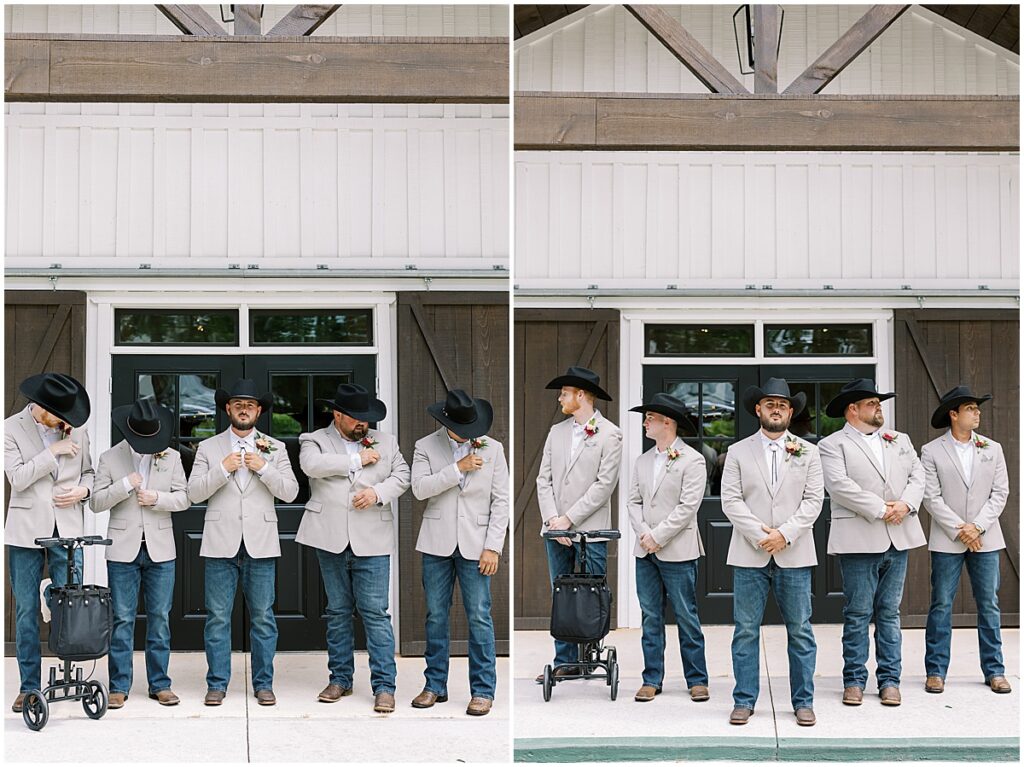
967	722
298	729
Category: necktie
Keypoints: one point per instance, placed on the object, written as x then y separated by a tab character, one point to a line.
244	475
775	463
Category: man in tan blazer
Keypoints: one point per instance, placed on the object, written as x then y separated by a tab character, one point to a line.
579	470
876	483
463	476
772	491
46	460
239	473
355	472
966	487
141	481
664	496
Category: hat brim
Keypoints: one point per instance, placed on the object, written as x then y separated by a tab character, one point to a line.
76	415
378	410
222	397
754	394
477	428
579	383
679	416
940	418
837	406
156	443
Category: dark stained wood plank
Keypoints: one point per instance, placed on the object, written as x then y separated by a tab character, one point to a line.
27	68
685	47
554	122
303	20
765	22
247	20
841	53
192	20
403	70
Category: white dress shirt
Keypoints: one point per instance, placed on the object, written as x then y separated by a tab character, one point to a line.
965	452
249	445
459	451
660	462
579	433
774	454
353	448
48	434
874	443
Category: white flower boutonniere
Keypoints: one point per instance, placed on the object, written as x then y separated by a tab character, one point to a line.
264	445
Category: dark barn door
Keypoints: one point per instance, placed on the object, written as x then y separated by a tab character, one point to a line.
713	393
186	384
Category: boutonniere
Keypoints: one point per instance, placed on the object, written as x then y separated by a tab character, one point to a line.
794	448
672	454
65	430
590	428
980	443
264	445
368	441
158	456
889	437
478	444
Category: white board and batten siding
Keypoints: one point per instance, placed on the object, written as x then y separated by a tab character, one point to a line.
605	49
792	220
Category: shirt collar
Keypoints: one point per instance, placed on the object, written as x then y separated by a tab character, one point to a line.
963	445
577	425
767	442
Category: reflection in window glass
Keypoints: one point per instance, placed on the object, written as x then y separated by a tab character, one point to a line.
699	340
712	427
818	340
826	424
190	396
288	416
174	327
348	327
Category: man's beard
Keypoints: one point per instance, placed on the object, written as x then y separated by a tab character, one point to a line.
775	428
877	419
570	407
241	425
356	433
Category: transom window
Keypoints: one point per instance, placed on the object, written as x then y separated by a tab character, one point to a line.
318	327
176	327
699	340
818	340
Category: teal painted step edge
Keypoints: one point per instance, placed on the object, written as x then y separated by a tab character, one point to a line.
766	749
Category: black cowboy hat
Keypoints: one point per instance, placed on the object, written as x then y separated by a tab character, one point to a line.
356	402
581	378
666	405
773	387
243	388
58	394
466	416
953	399
861	388
145	424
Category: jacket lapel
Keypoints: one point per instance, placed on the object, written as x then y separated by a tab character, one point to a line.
444	446
950	448
785	460
28	426
668	466
225	447
855	437
888	457
573	457
757	455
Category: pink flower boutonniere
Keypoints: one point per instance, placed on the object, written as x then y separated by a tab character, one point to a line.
478	444
889	437
672	454
264	445
794	448
980	443
368	441
590	428
65	430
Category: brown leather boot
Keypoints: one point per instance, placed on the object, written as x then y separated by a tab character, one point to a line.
805	717
699	693
934	684
740	715
646	693
165	697
853	696
266	697
116	700
890	696
999	684
478	707
426	699
332	693
19	703
214	697
384	703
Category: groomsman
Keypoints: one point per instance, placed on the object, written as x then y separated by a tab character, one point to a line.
578	473
46	460
240	472
665	493
772	491
966	487
141	481
355	472
463	476
876	484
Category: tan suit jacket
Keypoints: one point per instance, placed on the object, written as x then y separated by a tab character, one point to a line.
668	509
750	500
128	519
29	466
859	487
952	501
330	522
473	517
234	516
580	486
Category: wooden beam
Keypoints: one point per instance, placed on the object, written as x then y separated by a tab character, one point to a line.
843	51
764	19
192	20
247	20
302	20
124	68
684	46
743	123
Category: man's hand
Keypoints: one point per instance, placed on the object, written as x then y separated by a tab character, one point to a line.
969	533
895	511
975	545
146	497
488	562
774	542
561	522
471	462
68	498
232	462
135	480
648	544
364	499
253	461
64	447
368	456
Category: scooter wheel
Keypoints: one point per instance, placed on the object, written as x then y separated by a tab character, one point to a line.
35	710
613	679
95	702
549	682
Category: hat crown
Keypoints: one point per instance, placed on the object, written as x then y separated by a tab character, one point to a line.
58	389
459	407
859	384
584	373
661	398
775	387
144	418
955	392
243	388
353	396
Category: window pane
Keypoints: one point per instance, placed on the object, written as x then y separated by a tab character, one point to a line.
324	388
713	423
803	423
171	327
290	412
348	327
820	340
190	396
699	340
826	424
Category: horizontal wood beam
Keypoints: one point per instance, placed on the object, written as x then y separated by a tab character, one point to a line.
49	67
781	123
303	20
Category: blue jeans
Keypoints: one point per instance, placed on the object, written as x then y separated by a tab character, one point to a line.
657	581
157	582
26	573
983	570
792	587
439	574
257	576
358	583
561	560
873	586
